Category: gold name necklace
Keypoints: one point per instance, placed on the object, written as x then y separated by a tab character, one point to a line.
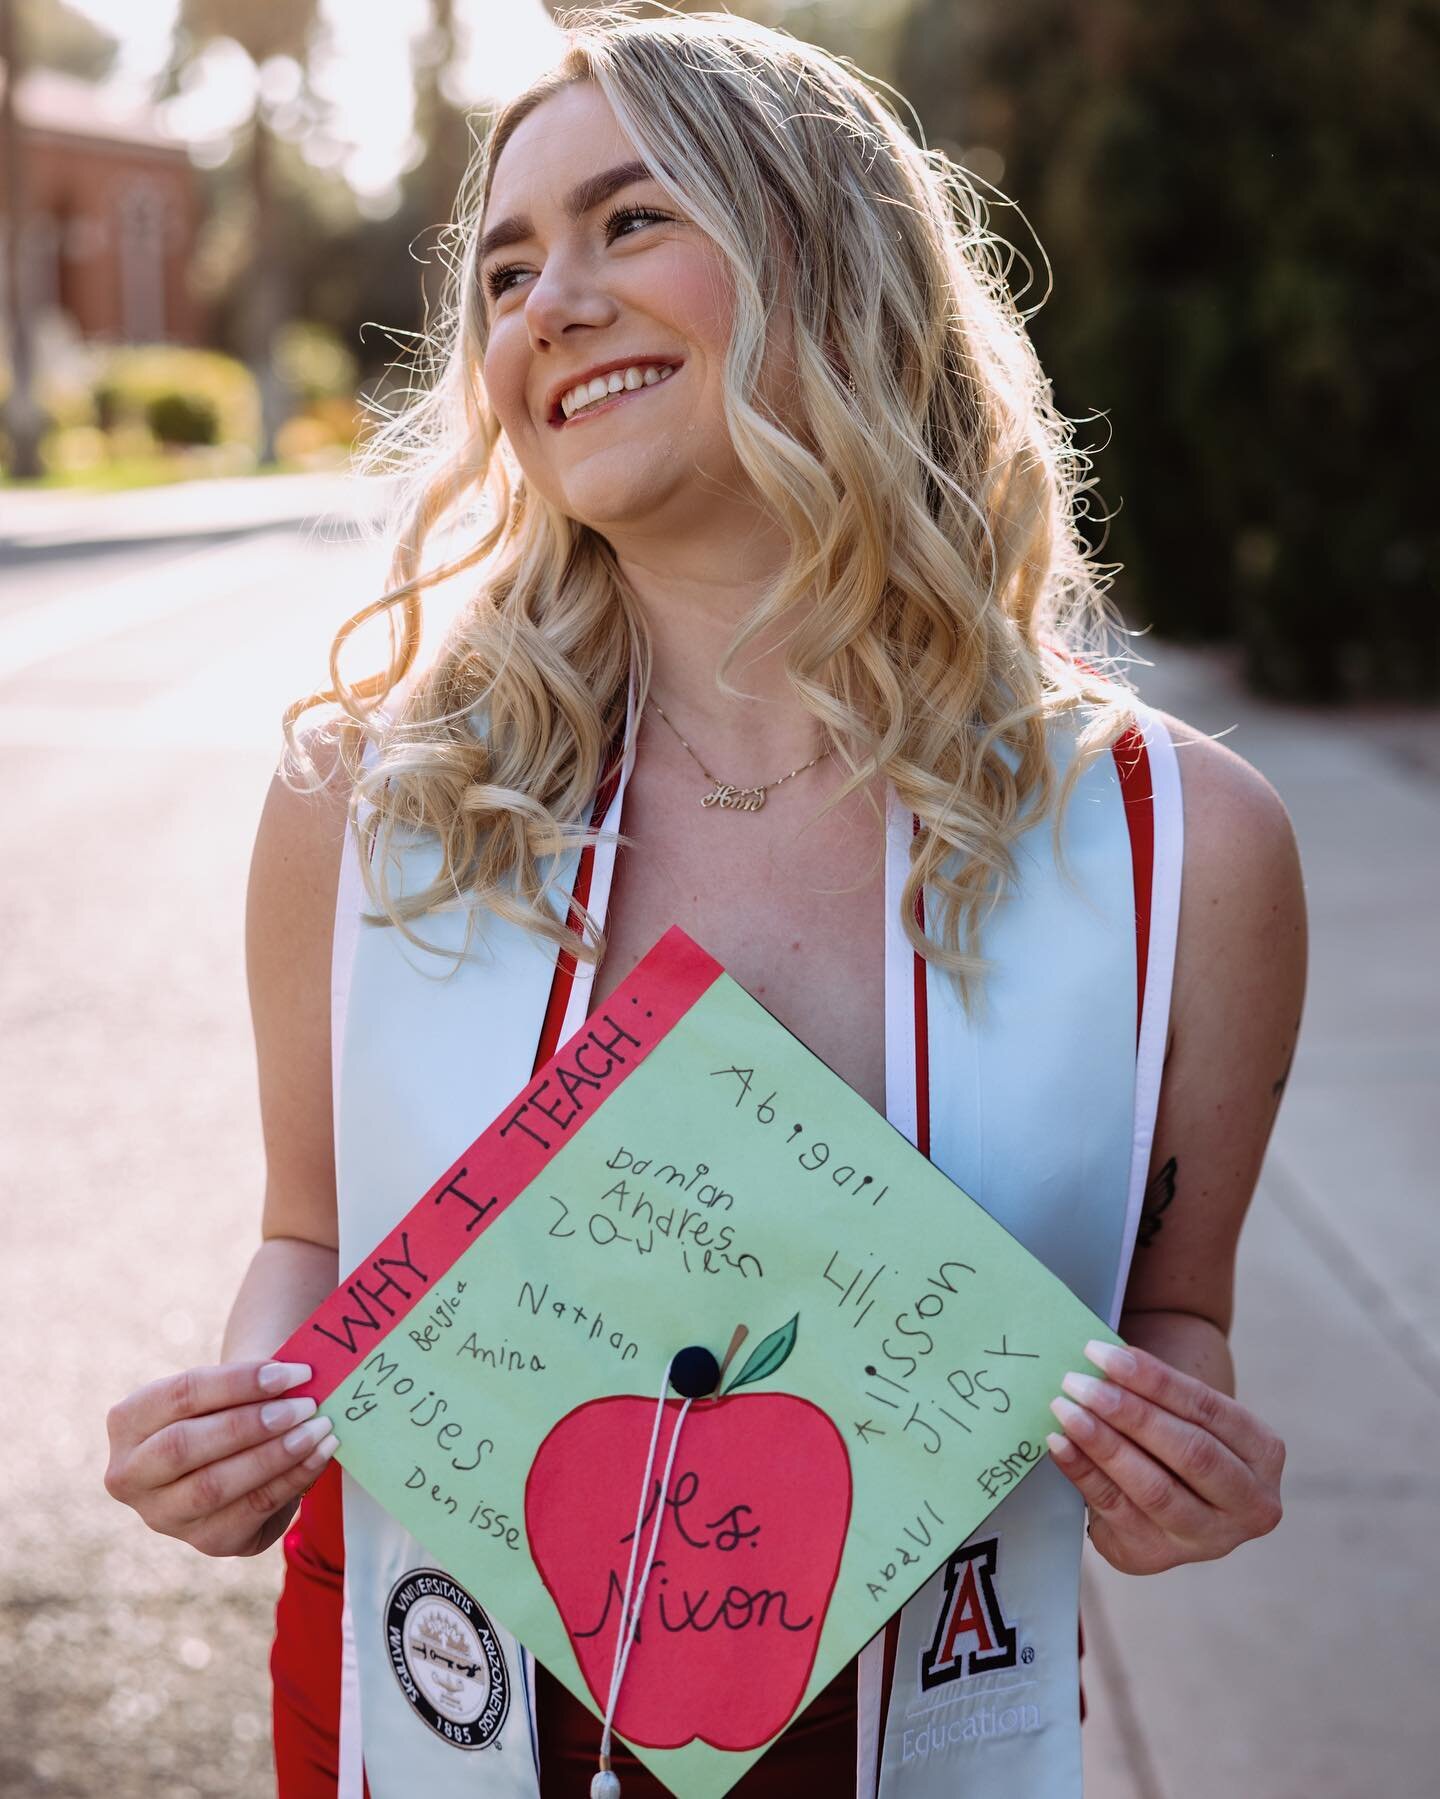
727	797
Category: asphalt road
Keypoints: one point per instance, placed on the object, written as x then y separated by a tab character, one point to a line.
145	654
140	688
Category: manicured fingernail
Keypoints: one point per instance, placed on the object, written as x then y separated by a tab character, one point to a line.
1111	1358
1076	1420
1099	1395
278	1377
306	1436
323	1452
1061	1447
282	1412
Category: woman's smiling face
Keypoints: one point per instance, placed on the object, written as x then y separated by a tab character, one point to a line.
598	268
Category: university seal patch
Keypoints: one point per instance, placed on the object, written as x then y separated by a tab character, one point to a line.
446	1658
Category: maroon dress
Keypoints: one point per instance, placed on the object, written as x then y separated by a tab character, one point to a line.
817	1750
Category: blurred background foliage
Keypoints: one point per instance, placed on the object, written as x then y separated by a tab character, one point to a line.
55	36
1224	226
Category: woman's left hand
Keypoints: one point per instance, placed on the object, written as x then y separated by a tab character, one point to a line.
1172	1470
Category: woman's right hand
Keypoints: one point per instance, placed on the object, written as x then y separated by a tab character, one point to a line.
217	1456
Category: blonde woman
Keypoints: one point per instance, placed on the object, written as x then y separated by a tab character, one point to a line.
780	627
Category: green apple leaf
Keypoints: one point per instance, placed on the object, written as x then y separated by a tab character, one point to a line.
768	1357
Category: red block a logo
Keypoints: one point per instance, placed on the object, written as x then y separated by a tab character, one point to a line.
971	1635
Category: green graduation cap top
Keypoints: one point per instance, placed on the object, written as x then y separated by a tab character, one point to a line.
684	1175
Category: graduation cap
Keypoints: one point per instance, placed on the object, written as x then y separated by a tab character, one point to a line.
687	1347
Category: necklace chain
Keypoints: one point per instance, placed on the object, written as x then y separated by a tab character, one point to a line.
722	794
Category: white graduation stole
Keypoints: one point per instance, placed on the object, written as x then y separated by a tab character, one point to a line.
1043	1112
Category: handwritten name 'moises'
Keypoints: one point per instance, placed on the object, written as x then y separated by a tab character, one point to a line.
561	1096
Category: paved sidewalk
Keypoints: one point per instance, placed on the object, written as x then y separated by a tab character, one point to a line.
1302	1666
52	517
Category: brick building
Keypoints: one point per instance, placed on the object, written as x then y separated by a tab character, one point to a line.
113	214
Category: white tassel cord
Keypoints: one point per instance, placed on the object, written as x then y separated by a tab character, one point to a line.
606	1784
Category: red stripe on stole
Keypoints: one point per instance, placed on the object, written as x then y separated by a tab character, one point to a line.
1132	763
922	1029
563	978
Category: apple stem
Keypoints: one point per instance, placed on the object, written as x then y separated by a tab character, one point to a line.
742	1331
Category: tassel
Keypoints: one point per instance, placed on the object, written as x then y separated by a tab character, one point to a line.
606	1783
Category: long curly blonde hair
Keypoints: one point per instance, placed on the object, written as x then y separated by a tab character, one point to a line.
933	507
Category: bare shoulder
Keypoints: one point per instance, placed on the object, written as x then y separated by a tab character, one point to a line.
289	931
295	864
1242	896
1225	795
302	823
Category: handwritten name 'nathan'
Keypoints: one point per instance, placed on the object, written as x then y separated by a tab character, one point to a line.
561	1096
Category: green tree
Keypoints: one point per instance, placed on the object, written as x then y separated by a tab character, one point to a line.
58	37
264	29
33	34
439	119
370	278
1229	196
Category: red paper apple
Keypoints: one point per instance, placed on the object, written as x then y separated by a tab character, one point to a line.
757	1509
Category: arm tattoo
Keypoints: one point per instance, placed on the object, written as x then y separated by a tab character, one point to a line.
1156	1203
1278	1088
